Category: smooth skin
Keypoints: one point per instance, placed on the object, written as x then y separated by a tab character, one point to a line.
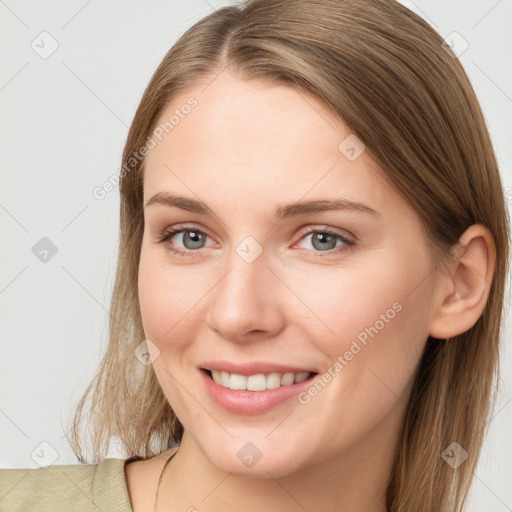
246	149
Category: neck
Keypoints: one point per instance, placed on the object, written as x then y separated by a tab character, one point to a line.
354	480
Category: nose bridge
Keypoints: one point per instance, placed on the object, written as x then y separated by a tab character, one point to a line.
245	298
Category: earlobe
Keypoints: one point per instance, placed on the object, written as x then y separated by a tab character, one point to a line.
467	285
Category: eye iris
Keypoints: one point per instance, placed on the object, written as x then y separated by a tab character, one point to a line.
322	237
196	238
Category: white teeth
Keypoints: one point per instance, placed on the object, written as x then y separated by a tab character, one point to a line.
224	379
301	376
273	380
287	379
258	382
237	381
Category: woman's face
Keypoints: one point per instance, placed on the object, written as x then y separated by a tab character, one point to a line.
344	292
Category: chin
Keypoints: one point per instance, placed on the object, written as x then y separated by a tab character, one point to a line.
245	460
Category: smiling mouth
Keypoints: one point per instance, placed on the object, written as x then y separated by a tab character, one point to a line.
257	382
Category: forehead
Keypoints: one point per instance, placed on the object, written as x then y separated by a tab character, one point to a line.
256	139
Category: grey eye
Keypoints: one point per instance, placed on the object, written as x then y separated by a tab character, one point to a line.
192	239
323	241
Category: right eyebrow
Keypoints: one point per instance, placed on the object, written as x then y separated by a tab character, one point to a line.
184	203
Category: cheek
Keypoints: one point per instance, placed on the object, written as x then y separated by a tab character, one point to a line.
171	300
380	296
351	303
374	318
162	296
372	357
168	305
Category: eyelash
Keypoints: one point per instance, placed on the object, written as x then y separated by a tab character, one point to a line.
169	233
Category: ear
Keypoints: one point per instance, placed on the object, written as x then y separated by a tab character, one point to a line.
465	289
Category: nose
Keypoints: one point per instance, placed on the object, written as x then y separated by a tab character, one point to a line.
246	303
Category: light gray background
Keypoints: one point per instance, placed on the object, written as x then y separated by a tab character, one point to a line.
64	123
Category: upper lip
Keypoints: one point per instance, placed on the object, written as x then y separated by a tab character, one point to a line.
252	368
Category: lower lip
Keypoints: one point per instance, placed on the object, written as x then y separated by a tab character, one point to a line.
252	402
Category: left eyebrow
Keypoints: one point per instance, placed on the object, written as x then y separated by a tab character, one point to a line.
285	211
323	205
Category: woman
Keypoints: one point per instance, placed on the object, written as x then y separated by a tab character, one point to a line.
311	276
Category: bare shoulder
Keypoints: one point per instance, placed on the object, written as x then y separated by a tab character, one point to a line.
139	484
142	480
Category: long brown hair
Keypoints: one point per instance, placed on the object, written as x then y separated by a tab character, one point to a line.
387	75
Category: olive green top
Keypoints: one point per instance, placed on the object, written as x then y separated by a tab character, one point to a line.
97	487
